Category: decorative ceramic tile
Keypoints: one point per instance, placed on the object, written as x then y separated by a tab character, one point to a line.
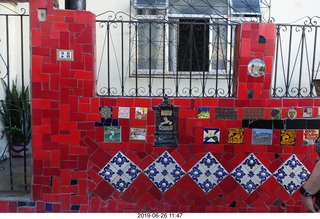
288	137
112	134
164	172
310	136
226	113
253	113
275	113
235	136
208	172
307	112
250	174
120	172
204	112
292	113
141	113
211	136
138	134
105	112
124	112
261	136
291	174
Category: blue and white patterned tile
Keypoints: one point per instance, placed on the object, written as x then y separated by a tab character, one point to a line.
120	172
251	173
208	172
164	172
291	174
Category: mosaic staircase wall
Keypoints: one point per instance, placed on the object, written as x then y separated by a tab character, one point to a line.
95	154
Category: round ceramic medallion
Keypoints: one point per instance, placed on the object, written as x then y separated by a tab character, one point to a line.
292	113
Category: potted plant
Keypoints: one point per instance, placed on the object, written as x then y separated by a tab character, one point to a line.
16	118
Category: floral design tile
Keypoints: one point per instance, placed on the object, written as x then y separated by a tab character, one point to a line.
250	174
164	172
291	174
105	112
120	172
211	135
208	173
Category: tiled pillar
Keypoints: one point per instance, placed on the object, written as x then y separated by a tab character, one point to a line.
62	91
254	41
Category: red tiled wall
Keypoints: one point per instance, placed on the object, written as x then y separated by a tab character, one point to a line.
68	149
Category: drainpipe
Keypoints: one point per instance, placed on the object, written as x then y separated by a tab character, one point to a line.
75	4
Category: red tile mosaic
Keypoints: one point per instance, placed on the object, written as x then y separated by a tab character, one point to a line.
79	151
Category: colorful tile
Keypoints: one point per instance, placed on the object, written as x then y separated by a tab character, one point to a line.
225	113
292	113
112	134
235	136
138	134
253	113
164	172
105	112
307	112
141	113
211	135
250	174
120	172
203	112
288	137
261	136
310	136
208	172
291	174
275	113
124	112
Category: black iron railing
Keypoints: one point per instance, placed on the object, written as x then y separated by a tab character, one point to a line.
153	57
194	57
297	59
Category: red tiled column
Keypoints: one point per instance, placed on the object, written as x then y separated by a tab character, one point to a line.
254	40
61	97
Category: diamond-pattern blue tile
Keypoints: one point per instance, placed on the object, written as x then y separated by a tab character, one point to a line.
251	173
291	174
120	172
207	173
164	172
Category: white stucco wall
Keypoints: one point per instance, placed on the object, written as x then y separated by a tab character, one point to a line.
14	50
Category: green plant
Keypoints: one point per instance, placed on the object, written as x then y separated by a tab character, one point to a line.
15	114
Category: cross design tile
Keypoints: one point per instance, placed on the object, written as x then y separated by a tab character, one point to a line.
120	172
208	172
251	173
164	172
291	174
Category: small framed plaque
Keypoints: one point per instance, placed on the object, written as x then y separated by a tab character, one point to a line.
64	55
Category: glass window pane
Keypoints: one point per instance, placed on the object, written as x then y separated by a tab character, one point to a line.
160	4
245	7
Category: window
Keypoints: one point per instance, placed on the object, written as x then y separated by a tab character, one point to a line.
188	37
158	4
245	7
